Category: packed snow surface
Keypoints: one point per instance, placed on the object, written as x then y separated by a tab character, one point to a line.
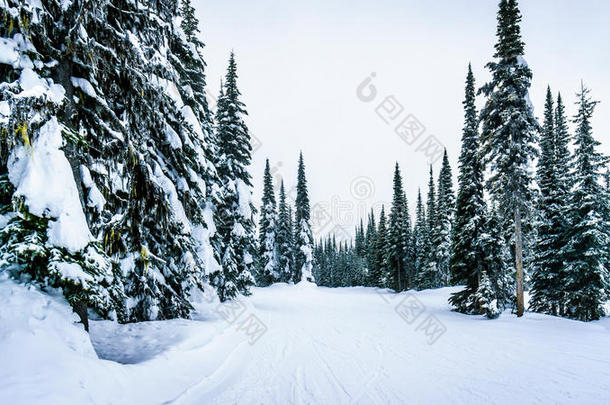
300	345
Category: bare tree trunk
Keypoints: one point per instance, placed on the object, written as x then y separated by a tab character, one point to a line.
80	307
519	260
399	279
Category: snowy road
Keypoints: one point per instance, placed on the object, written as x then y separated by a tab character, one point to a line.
309	345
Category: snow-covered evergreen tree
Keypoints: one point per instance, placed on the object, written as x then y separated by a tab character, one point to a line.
548	278
284	239
267	228
485	299
135	131
467	256
359	240
370	246
445	213
397	237
501	288
303	236
44	236
380	244
420	232
234	214
585	253
427	276
509	130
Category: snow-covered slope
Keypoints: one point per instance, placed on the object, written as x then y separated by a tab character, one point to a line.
300	345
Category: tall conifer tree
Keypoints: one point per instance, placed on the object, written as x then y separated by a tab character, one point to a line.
284	238
509	130
267	228
380	250
547	278
585	253
234	214
303	234
396	248
467	254
427	276
420	232
445	214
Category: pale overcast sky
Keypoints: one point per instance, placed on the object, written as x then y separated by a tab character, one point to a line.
300	64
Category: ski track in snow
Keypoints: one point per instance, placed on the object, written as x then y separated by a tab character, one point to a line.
330	346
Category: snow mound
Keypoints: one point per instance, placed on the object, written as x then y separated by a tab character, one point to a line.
45	353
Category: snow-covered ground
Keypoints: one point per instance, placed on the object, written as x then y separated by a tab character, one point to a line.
300	345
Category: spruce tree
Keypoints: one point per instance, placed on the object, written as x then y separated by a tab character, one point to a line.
495	288
427	276
420	233
484	298
547	279
135	130
585	253
509	130
189	24
397	233
371	241
445	213
377	279
359	241
284	238
467	258
268	226
234	214
303	234
32	129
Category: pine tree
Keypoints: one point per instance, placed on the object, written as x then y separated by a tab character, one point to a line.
293	239
189	24
284	238
445	213
485	299
509	130
427	277
377	278
304	238
136	131
370	246
268	250
397	237
31	128
359	241
585	253
234	214
467	256
547	278
496	289
419	235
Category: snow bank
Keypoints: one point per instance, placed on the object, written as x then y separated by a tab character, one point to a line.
42	174
300	344
47	358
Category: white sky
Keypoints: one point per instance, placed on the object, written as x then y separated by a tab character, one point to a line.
299	65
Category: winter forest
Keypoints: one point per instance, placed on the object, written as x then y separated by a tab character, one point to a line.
139	265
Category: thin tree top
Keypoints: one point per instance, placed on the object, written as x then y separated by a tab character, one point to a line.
508	31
